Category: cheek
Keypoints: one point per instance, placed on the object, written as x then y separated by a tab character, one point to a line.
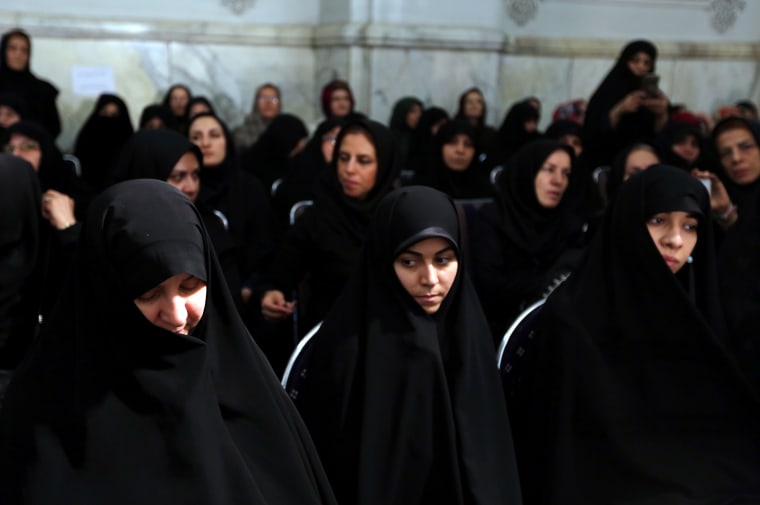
196	304
149	311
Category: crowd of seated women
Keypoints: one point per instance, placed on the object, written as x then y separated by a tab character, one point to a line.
143	323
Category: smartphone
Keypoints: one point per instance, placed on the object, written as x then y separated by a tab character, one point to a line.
707	184
650	85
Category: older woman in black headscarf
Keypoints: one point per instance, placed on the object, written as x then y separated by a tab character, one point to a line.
401	396
454	167
326	241
633	394
101	138
145	387
530	236
621	111
15	77
20	286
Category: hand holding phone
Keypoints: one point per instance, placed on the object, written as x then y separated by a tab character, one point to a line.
650	85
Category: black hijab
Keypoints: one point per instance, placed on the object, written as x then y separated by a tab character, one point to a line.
512	135
674	133
112	409
739	193
524	222
38	95
180	122
405	407
421	140
100	140
617	170
152	154
268	158
599	139
157	111
473	182
634	395
19	247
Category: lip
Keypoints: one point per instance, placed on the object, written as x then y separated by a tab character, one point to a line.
555	195
428	299
670	260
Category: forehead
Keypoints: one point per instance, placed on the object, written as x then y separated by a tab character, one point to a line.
268	91
19	137
734	134
205	123
430	245
18	39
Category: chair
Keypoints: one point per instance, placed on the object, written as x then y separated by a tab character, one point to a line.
512	358
298	208
297	368
275	184
495	173
74	163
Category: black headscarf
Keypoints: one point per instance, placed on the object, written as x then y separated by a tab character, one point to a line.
473	182
38	95
599	139
154	111
112	409
268	158
674	133
19	248
405	407
512	134
180	122
529	226
739	193
617	171
421	141
634	396
100	140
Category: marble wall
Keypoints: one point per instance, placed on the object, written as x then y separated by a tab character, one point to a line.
387	49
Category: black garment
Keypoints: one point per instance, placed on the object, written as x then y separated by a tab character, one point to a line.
400	128
421	142
519	247
634	396
674	133
19	258
512	135
112	409
617	169
100	140
473	182
304	170
38	95
180	122
152	154
157	111
600	140
326	241
405	407
268	158
484	133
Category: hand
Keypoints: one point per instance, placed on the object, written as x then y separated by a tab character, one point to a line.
274	307
58	209
720	202
245	294
658	105
632	101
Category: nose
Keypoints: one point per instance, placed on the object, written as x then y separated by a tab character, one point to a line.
174	312
351	166
429	275
736	154
673	238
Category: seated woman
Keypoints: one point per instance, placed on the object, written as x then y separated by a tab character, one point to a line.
267	104
530	237
454	167
680	144
326	241
472	109
145	386
401	395
634	396
519	128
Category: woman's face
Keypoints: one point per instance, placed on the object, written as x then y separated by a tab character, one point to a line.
552	179
357	165
637	161
268	103
25	148
675	235
473	105
8	116
176	304
198	108
413	116
328	143
530	126
573	141
17	53
427	270
186	176
340	103
687	148
178	100
640	64
207	133
109	110
458	152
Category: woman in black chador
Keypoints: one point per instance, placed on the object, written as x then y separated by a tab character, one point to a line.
145	387
401	394
634	396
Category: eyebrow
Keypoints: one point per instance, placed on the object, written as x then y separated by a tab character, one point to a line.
415	253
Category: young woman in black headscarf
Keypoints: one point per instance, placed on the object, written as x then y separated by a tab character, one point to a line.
454	167
633	395
20	286
401	396
472	109
326	241
680	144
519	128
168	156
404	119
530	236
146	387
101	138
268	158
39	96
621	112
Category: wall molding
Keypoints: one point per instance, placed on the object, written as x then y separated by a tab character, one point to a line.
406	37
